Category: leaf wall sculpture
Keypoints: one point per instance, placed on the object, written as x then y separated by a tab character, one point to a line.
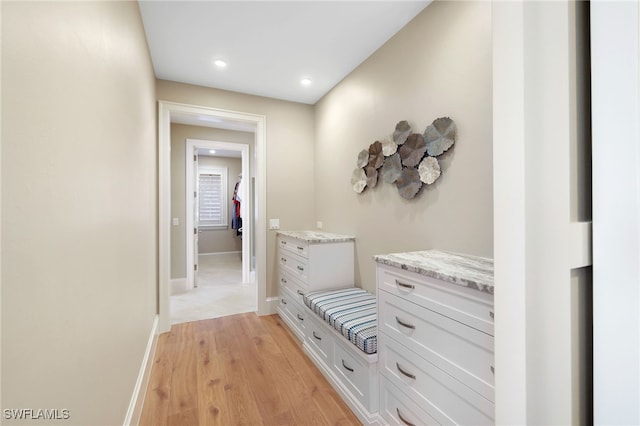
358	180
389	147
409	183
440	136
363	158
376	158
402	132
391	168
429	170
405	158
413	150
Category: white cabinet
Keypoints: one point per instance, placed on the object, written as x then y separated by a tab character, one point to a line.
435	338
310	261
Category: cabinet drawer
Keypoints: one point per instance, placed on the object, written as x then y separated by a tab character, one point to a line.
469	306
431	387
352	372
297	287
295	265
296	246
287	310
319	339
463	352
397	409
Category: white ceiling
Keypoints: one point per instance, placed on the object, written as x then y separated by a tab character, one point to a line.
269	45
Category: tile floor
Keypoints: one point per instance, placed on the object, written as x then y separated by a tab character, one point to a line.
220	291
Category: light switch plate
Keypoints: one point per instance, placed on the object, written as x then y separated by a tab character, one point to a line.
274	223
175	221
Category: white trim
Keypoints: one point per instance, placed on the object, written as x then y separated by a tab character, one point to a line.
167	110
220	253
191	146
140	389
271	306
615	97
178	285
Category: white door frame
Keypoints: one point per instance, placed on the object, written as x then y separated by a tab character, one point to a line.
247	231
168	111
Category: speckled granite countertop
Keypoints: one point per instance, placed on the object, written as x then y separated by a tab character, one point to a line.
317	236
461	269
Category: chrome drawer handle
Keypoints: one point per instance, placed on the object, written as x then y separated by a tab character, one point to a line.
314	335
409	375
491	314
283	301
404	324
400	284
300	317
405	421
300	268
493	369
345	366
300	248
300	292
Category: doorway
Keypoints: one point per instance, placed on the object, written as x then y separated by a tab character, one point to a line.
217	203
170	112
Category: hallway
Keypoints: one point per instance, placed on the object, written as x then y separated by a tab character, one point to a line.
220	291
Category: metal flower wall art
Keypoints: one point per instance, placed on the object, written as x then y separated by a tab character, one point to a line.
406	159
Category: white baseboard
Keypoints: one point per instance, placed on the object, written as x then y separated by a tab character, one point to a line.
270	307
139	391
178	285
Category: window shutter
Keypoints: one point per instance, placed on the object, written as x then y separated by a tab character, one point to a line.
212	195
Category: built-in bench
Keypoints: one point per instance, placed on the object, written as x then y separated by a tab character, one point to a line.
351	311
341	339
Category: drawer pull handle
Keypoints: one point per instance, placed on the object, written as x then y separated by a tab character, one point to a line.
283	301
409	375
404	324
345	366
300	292
491	314
283	259
400	284
493	369
405	421
317	337
300	317
282	280
300	248
300	268
284	243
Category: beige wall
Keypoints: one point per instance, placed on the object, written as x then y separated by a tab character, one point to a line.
222	240
179	134
438	65
289	146
78	207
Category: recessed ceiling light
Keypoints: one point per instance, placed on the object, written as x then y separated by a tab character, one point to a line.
305	81
212	151
220	63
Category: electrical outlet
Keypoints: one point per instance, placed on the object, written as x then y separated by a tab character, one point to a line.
175	221
274	223
319	225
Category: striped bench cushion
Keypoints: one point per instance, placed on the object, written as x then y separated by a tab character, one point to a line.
351	311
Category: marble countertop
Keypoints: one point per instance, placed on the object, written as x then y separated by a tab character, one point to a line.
317	236
461	269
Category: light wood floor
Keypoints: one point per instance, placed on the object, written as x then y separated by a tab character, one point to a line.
238	370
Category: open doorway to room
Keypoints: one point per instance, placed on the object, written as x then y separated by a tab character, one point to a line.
218	250
169	269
